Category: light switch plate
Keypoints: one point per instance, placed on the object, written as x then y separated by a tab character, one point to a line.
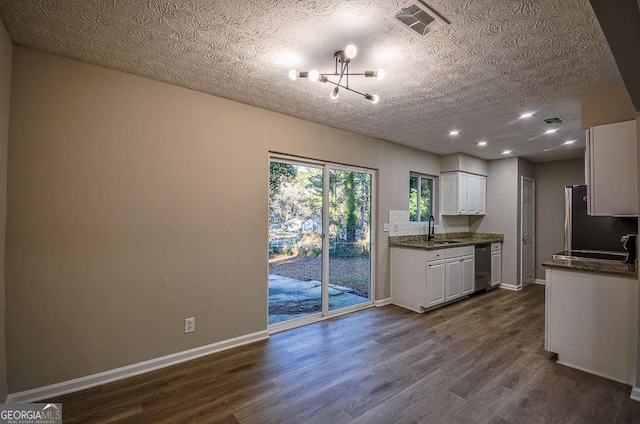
386	226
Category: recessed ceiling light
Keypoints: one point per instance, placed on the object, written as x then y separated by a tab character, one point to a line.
569	141
507	152
526	115
454	132
551	131
482	143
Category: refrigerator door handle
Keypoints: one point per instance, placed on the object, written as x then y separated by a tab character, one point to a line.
567	217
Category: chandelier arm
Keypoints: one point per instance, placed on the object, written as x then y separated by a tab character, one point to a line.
346	88
342	73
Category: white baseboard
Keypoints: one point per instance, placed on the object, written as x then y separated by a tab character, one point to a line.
539	281
635	394
566	364
382	302
127	371
508	286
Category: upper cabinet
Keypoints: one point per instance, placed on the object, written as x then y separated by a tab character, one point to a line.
611	165
463	193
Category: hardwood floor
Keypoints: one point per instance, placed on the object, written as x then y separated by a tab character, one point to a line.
481	360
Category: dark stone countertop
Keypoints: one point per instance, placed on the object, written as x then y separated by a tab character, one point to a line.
445	241
597	267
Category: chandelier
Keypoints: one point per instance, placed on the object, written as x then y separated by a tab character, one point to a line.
341	73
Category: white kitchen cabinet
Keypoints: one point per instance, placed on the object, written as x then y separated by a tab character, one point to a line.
463	193
496	267
409	278
422	279
611	168
453	278
591	322
435	283
481	191
468	267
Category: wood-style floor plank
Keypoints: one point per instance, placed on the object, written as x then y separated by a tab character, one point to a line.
481	360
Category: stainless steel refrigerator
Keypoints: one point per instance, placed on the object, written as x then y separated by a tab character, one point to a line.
593	233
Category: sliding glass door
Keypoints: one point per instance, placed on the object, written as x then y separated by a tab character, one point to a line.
295	240
320	240
349	238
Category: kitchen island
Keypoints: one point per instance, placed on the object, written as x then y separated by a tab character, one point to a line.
591	316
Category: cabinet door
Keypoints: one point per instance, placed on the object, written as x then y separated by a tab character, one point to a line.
496	268
468	274
463	182
613	170
435	282
449	195
482	195
472	195
453	278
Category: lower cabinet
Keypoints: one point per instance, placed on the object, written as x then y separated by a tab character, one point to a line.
468	274
496	268
423	279
436	283
454	278
460	276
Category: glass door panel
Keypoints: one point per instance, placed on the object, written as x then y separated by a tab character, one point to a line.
349	238
295	240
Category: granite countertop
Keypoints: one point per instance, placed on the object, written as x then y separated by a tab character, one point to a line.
598	267
445	241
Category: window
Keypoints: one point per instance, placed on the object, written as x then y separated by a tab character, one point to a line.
421	195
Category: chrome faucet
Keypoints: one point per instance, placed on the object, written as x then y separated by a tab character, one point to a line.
432	228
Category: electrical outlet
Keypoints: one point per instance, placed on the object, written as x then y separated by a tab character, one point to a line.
189	325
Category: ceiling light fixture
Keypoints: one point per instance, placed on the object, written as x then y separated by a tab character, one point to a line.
569	142
454	132
526	115
342	60
507	152
551	131
482	143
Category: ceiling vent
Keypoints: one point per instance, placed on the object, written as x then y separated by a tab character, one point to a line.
418	18
555	120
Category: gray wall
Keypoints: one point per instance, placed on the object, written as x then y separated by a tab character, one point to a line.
6	58
134	204
502	213
551	178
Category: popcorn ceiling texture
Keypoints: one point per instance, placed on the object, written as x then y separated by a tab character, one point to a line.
497	58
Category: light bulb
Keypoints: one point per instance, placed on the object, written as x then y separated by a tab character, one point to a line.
569	142
380	74
454	132
482	143
375	99
551	131
335	93
293	75
314	75
526	115
350	51
507	152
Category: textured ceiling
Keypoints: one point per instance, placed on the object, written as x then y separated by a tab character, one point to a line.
496	59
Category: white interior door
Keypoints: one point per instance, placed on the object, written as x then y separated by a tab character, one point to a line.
527	251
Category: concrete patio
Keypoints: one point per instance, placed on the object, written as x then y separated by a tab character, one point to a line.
290	298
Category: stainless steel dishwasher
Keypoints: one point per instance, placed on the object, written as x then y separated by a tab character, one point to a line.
483	267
